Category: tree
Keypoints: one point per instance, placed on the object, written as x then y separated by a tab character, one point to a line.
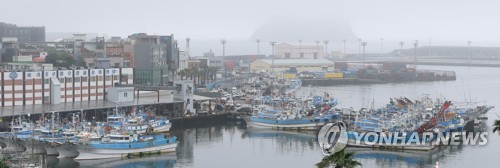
212	71
340	159
59	58
183	73
496	126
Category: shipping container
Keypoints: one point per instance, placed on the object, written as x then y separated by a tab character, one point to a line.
333	75
319	75
289	76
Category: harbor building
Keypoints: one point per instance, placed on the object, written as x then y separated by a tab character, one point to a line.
285	50
296	65
59	86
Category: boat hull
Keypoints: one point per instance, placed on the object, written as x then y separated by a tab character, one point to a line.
67	151
309	126
50	149
88	153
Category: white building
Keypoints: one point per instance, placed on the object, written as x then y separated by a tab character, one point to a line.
183	60
285	50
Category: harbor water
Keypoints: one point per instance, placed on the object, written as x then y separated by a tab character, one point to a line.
231	144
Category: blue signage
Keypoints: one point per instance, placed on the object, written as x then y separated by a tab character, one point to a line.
13	75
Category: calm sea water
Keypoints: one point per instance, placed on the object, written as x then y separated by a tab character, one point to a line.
232	145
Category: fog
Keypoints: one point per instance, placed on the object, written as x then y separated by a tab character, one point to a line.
444	22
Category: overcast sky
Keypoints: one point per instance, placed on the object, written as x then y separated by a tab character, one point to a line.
236	20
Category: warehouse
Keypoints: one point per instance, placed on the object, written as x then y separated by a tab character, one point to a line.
298	65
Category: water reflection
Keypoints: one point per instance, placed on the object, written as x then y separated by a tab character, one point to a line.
150	161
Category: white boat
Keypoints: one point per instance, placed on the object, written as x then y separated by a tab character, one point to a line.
115	146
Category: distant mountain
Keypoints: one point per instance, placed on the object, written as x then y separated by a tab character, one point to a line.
306	29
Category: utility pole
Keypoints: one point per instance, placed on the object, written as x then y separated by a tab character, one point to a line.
317	48
415	59
401	51
326	47
359	47
223	42
272	58
300	49
258	46
364	45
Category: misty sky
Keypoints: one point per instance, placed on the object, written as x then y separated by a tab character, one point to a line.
447	21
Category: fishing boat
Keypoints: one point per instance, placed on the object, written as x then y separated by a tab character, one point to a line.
124	145
291	120
388	142
139	123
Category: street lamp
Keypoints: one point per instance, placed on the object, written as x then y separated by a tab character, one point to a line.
223	42
272	58
401	51
258	46
359	47
300	49
317	48
326	47
364	45
415	44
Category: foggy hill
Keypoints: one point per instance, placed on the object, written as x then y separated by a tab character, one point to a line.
306	29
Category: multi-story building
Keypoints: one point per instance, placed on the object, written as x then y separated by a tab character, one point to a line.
58	86
285	50
23	34
9	47
156	52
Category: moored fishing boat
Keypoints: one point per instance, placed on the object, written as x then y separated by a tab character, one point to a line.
118	145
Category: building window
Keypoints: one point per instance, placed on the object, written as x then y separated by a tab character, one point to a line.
69	73
70	80
84	72
115	77
61	80
46	98
92	79
99	78
29	75
107	71
53	73
61	73
84	79
100	72
125	94
38	74
93	72
46	73
77	79
77	72
46	81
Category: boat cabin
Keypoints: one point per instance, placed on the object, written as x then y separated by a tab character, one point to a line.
117	120
120	138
